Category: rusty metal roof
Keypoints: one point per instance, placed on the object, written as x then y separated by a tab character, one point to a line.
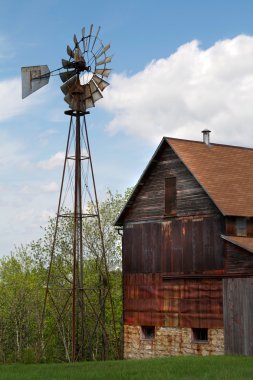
240	241
224	171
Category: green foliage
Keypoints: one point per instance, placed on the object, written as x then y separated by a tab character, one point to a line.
23	277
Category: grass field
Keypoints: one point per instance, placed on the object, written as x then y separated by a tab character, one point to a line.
183	368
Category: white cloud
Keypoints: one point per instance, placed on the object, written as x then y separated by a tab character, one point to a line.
53	162
46	135
34	188
46	214
50	187
13	154
190	90
11	103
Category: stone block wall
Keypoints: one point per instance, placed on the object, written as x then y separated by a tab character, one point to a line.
170	341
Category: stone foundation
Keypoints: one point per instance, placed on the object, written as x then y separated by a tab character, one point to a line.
170	341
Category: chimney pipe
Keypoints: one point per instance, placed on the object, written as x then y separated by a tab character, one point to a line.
206	136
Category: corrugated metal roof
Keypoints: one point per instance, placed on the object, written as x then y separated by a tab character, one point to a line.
225	172
240	241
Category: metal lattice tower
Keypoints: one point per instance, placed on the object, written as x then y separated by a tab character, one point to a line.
83	82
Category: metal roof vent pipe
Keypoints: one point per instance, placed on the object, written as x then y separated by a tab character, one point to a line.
206	136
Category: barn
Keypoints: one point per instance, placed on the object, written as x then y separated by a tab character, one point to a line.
188	252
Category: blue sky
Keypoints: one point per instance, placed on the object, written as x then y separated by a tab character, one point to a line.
178	67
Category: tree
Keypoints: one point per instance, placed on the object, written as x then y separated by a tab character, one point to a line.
22	287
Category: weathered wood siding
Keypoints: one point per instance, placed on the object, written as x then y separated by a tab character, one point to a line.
149	300
237	260
177	246
149	202
156	245
238	315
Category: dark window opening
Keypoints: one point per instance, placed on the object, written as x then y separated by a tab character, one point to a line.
241	226
170	196
200	335
148	332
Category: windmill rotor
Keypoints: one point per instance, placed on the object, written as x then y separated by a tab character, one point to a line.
82	73
85	70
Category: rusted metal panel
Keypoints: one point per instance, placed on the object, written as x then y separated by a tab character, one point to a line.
211	321
201	306
170	305
171	320
175	302
238	315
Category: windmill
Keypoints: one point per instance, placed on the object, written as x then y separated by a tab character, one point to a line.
83	80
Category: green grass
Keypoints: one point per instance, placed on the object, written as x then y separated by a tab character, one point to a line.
183	368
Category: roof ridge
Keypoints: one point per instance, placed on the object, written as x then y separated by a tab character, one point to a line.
215	144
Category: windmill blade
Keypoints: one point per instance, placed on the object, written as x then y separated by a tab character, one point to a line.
104	61
66	75
103	72
68	98
69	84
83	38
67	64
89	103
75	40
86	91
96	95
88	45
76	105
93	86
95	92
105	48
70	52
82	107
33	78
101	83
77	88
95	39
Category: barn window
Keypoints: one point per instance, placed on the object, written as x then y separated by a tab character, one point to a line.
241	226
200	335
170	196
148	332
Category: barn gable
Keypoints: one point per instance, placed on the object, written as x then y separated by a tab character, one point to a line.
148	200
222	173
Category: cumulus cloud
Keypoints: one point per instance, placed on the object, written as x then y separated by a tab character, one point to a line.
13	154
53	162
11	103
32	189
186	92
